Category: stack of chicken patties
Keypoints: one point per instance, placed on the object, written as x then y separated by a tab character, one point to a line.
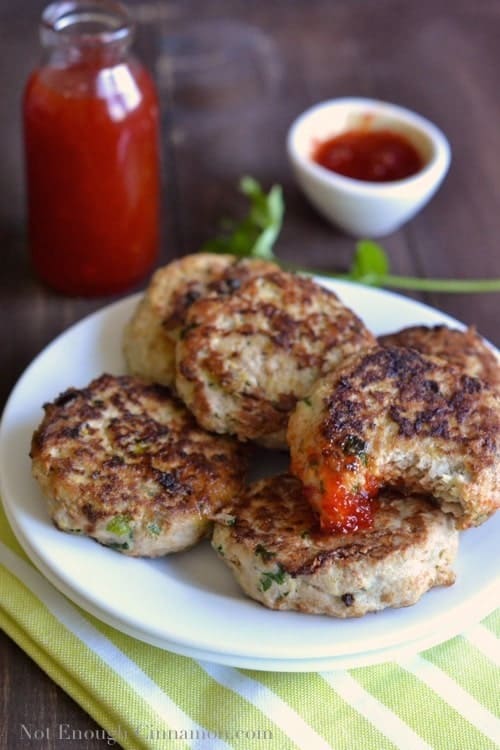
394	443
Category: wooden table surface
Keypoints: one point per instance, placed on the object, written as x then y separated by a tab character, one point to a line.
232	75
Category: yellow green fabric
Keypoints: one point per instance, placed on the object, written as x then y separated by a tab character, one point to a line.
145	698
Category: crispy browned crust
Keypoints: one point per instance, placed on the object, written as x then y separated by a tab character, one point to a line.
151	335
122	447
271	541
409	415
224	281
463	349
430	401
243	362
275	514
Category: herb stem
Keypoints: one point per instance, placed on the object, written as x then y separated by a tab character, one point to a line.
456	286
441	285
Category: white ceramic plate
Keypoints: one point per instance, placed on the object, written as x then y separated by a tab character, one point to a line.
189	602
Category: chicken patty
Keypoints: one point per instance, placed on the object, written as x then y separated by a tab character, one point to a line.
466	349
395	417
279	558
124	462
151	334
243	362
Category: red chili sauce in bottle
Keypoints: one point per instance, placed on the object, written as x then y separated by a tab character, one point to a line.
369	155
91	148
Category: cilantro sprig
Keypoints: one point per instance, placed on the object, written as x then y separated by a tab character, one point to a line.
256	234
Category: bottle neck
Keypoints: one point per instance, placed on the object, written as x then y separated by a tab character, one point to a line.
96	33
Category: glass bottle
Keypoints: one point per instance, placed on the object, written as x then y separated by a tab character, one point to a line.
91	153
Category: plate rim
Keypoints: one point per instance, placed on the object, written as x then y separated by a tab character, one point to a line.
127	302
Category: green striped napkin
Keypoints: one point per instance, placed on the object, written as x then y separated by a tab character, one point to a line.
445	698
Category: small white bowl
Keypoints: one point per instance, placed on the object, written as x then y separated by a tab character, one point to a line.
360	208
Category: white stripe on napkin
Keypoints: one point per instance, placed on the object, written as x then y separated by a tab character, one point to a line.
485	641
394	728
451	693
110	654
271	705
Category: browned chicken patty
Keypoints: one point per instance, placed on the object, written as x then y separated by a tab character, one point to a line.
151	335
244	361
395	417
466	349
124	462
278	556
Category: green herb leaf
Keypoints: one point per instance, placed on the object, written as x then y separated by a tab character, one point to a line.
353	445
120	526
370	262
255	235
267	579
264	553
139	448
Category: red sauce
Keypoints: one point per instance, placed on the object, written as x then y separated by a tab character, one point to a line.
344	509
347	502
91	139
369	155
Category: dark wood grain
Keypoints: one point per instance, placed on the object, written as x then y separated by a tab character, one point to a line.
225	117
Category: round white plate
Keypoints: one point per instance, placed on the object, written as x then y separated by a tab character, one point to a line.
189	602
